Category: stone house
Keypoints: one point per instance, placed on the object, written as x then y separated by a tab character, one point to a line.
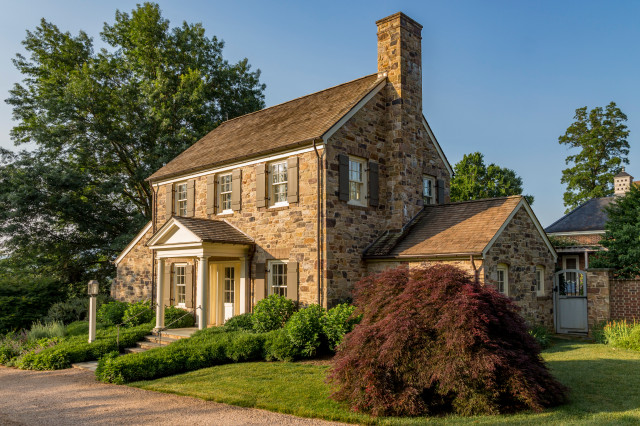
305	198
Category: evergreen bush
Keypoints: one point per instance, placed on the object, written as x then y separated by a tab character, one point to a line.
272	313
337	322
112	313
173	313
304	329
74	309
239	322
138	313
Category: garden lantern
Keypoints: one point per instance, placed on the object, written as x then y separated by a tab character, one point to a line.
93	293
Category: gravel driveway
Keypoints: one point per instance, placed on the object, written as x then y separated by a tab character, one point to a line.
74	397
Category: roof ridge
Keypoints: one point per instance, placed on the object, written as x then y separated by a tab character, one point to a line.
476	201
298	98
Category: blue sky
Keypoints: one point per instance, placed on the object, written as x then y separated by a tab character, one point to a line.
500	77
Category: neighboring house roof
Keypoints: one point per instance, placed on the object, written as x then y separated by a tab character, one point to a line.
277	128
465	228
214	231
589	216
622	174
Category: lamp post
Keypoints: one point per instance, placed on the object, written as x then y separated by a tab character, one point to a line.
93	294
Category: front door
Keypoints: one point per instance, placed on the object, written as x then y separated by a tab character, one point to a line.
570	296
228	286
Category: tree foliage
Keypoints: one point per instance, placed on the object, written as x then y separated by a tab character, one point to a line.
622	236
101	122
601	137
473	180
434	341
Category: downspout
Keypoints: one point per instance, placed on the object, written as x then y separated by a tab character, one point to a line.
318	221
154	211
475	270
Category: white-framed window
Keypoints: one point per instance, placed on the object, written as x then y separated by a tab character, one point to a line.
225	189
181	199
357	181
278	277
229	284
428	190
179	279
278	184
502	279
540	280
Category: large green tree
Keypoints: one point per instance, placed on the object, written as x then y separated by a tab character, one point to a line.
622	236
474	180
601	137
101	122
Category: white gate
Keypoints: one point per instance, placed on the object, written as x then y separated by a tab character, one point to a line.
570	301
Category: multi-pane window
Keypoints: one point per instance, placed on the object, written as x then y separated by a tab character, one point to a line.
279	183
278	278
225	193
181	288
540	280
356	180
427	190
181	199
229	284
502	281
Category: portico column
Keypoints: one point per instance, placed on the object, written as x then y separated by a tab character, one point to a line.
160	295
244	267
201	292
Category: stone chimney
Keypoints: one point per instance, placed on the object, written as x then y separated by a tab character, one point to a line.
400	58
622	183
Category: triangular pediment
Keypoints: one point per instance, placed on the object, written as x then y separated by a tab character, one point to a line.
173	233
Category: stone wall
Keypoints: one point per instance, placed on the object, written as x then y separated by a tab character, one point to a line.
133	280
521	248
598	297
625	299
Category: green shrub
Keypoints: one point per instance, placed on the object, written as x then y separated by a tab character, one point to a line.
305	330
172	314
12	345
24	300
272	313
621	334
239	322
598	332
112	313
337	322
138	313
77	349
74	309
542	335
47	330
203	349
278	346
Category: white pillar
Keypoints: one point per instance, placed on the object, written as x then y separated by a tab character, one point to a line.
160	295
92	318
244	280
201	293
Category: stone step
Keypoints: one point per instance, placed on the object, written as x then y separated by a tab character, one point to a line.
133	350
148	345
170	335
155	339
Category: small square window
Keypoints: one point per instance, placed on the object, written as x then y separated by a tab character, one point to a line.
357	181
427	190
279	184
278	278
181	199
225	189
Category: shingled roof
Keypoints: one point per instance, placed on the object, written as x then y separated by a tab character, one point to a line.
272	129
214	231
590	216
463	228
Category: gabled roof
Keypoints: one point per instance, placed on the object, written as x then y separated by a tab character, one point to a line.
201	230
590	216
132	244
455	229
272	129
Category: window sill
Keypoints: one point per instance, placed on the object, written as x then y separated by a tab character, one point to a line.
357	206
225	213
277	207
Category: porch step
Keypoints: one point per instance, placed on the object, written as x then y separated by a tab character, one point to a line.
155	339
133	350
177	333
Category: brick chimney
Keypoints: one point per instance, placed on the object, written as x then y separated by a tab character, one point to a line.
400	57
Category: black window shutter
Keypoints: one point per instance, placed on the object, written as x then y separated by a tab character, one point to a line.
343	177
440	188
373	184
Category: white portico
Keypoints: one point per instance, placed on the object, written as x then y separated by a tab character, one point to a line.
219	254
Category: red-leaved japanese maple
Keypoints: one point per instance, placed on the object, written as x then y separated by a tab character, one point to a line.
433	341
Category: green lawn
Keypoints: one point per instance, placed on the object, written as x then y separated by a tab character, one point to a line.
604	382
